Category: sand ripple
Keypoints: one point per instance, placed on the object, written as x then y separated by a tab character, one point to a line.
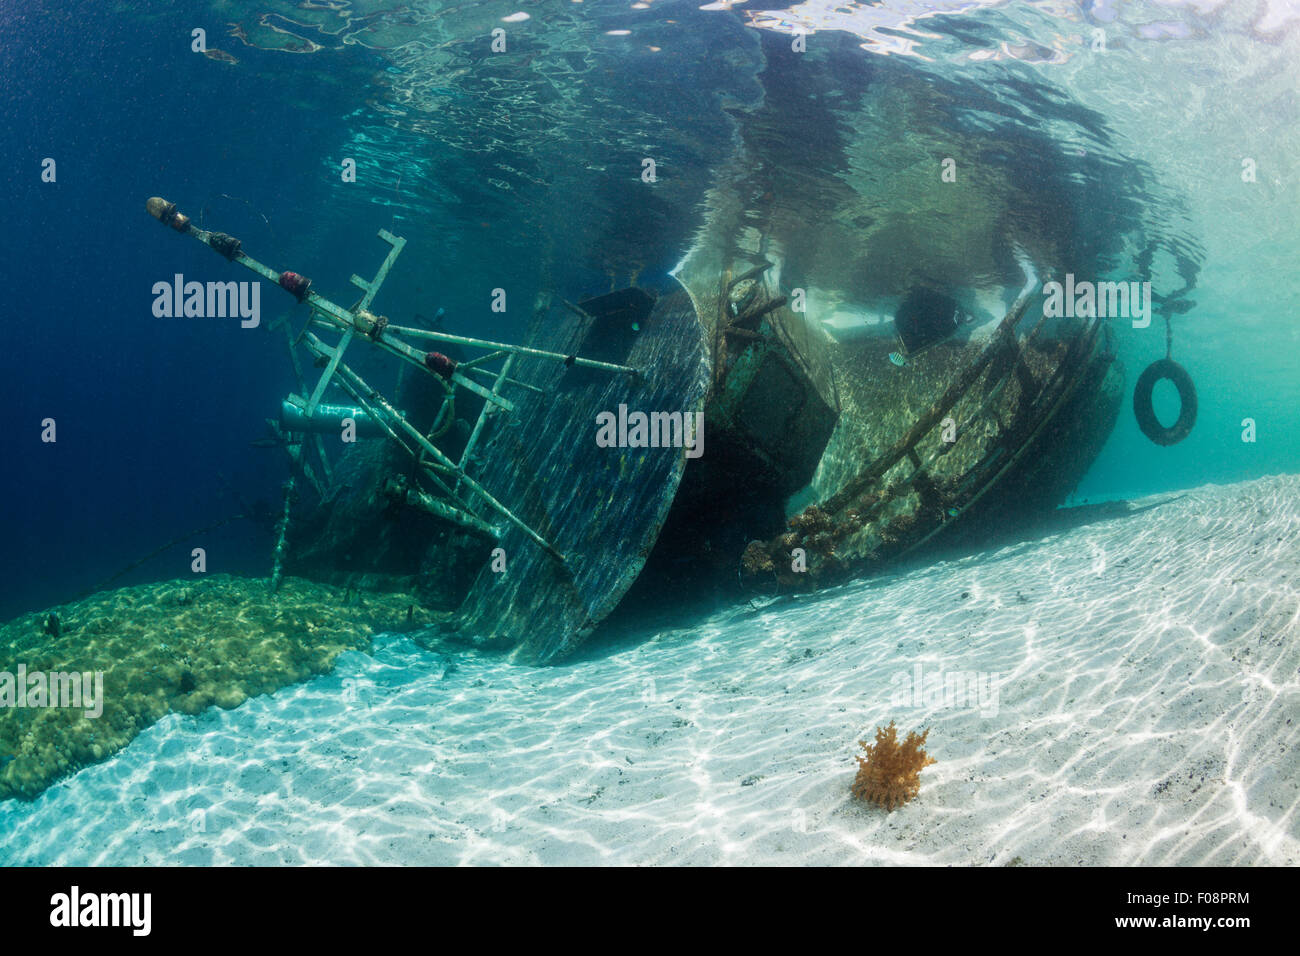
1147	713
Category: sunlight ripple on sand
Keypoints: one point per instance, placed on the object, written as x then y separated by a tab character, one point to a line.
1147	713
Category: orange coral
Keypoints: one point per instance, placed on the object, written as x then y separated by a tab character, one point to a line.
889	775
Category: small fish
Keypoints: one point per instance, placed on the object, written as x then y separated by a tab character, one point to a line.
897	358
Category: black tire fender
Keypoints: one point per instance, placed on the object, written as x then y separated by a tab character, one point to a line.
1146	416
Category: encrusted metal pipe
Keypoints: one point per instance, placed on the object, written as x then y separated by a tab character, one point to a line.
282	536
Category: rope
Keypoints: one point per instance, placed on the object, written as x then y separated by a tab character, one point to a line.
203	210
154	553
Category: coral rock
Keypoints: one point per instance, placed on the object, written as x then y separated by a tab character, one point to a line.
756	559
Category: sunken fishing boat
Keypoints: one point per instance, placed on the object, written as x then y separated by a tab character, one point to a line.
740	433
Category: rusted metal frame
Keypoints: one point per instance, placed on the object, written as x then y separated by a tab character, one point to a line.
297	461
1018	346
447	407
502	378
442	486
509	381
873	472
1066	364
371	288
468	519
331	316
921	469
513	349
335	354
423	501
753	273
1043	422
475	362
745	334
398	419
316	440
281	550
755	317
923	482
576	310
370	410
328	313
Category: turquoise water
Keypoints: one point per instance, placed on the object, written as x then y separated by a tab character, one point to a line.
508	143
532	157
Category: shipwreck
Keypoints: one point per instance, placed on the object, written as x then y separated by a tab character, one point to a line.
789	438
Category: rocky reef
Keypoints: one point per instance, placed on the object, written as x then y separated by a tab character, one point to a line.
177	646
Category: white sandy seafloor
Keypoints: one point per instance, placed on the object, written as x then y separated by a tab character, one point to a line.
1148	712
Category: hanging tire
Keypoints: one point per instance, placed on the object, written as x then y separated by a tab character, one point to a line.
1146	416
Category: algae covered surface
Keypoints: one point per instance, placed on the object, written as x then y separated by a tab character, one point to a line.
178	646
